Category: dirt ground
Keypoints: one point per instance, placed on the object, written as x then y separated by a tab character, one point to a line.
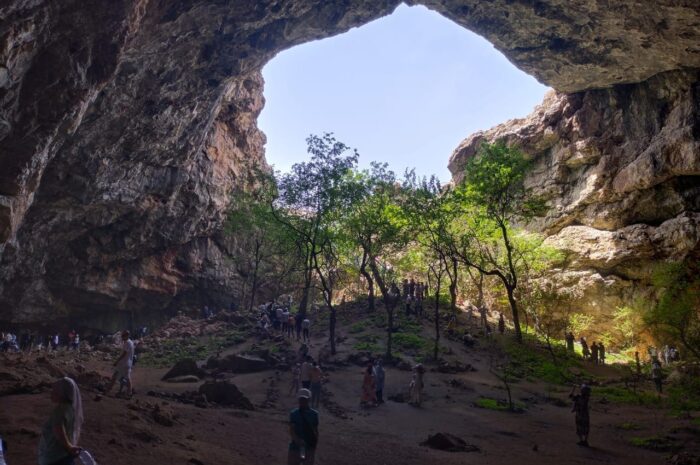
123	432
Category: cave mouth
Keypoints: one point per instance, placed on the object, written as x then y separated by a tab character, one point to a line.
404	89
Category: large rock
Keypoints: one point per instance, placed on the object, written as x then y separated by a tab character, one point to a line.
237	363
185	367
225	393
125	125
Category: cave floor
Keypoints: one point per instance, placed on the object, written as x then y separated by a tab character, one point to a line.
123	432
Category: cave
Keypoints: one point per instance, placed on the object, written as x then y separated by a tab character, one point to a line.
125	125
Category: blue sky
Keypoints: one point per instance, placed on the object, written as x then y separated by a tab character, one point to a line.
405	89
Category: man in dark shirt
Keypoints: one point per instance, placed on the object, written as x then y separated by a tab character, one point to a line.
303	429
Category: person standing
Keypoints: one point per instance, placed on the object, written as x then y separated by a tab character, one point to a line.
582	411
369	388
58	444
316	378
601	353
483	312
569	341
123	365
305	326
379	376
412	287
416	386
594	352
657	375
501	323
303	430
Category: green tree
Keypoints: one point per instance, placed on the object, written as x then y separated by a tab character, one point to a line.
310	201
493	197
676	315
376	225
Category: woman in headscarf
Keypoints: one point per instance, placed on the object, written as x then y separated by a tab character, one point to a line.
369	388
59	437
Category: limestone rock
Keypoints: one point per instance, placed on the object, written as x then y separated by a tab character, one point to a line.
225	393
185	367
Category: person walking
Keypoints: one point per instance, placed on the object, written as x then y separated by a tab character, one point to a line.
123	365
584	348
379	376
305	375
582	411
303	431
58	444
316	379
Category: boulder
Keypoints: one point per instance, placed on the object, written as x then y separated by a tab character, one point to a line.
184	379
185	367
242	364
449	443
225	393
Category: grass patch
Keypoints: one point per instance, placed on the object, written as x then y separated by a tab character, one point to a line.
629	426
368	343
409	341
358	327
621	395
170	351
655	443
498	405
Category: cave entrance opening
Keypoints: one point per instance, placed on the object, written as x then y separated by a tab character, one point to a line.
405	89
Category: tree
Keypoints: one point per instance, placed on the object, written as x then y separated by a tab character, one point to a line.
311	197
262	252
493	196
375	223
676	315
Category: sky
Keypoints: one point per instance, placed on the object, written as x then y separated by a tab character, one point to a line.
405	89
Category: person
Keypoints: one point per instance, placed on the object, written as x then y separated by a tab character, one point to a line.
303	429
594	352
122	367
369	387
581	409
296	372
290	325
406	288
279	318
657	375
285	322
501	323
482	315
408	301
412	288
305	375
76	342
58	444
303	352
316	378
305	325
379	376
569	341
416	386
601	353
584	348
298	322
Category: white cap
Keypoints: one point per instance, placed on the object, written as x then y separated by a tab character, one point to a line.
304	394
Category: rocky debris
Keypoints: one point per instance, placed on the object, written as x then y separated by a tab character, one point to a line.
454	367
684	458
184	379
184	368
399	397
272	394
226	394
332	406
448	442
238	363
359	358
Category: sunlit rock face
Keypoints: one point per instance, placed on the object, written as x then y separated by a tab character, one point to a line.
124	126
620	170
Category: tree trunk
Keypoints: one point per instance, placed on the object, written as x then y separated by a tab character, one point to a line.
514	309
389	305
389	328
332	320
453	287
370	283
254	284
437	318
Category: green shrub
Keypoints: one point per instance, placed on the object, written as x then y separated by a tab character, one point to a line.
655	443
408	341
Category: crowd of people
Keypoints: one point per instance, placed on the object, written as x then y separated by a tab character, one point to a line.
277	319
29	341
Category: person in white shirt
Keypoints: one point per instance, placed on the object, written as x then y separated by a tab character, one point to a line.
305	325
122	367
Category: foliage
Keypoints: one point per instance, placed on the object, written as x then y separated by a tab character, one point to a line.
580	323
655	443
410	341
627	325
675	319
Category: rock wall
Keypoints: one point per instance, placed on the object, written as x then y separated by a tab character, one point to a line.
620	170
124	125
